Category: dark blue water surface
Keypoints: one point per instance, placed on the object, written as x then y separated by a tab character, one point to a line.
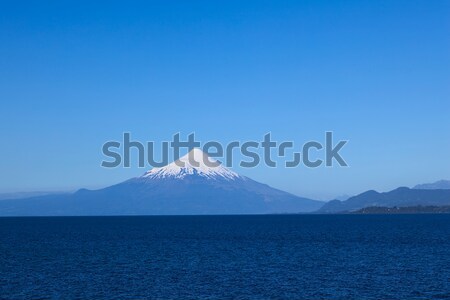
278	256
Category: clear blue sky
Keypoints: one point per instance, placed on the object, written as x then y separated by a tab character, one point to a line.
76	74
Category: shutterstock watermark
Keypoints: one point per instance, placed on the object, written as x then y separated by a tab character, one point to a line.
252	153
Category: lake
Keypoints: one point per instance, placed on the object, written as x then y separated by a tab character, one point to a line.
217	257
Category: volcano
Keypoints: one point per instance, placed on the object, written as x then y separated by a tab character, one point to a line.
195	184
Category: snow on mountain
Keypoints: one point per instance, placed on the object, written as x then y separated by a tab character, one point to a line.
196	162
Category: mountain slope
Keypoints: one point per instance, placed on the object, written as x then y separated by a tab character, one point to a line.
400	197
182	187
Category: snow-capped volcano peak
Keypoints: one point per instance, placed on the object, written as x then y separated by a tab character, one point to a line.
196	162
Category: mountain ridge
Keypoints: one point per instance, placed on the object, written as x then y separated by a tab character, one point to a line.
438	185
400	197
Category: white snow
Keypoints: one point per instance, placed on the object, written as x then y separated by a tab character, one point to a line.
195	162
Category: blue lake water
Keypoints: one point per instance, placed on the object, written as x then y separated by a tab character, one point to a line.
244	257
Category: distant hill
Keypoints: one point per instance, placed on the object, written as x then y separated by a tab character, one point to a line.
343	197
20	195
438	185
401	197
404	210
